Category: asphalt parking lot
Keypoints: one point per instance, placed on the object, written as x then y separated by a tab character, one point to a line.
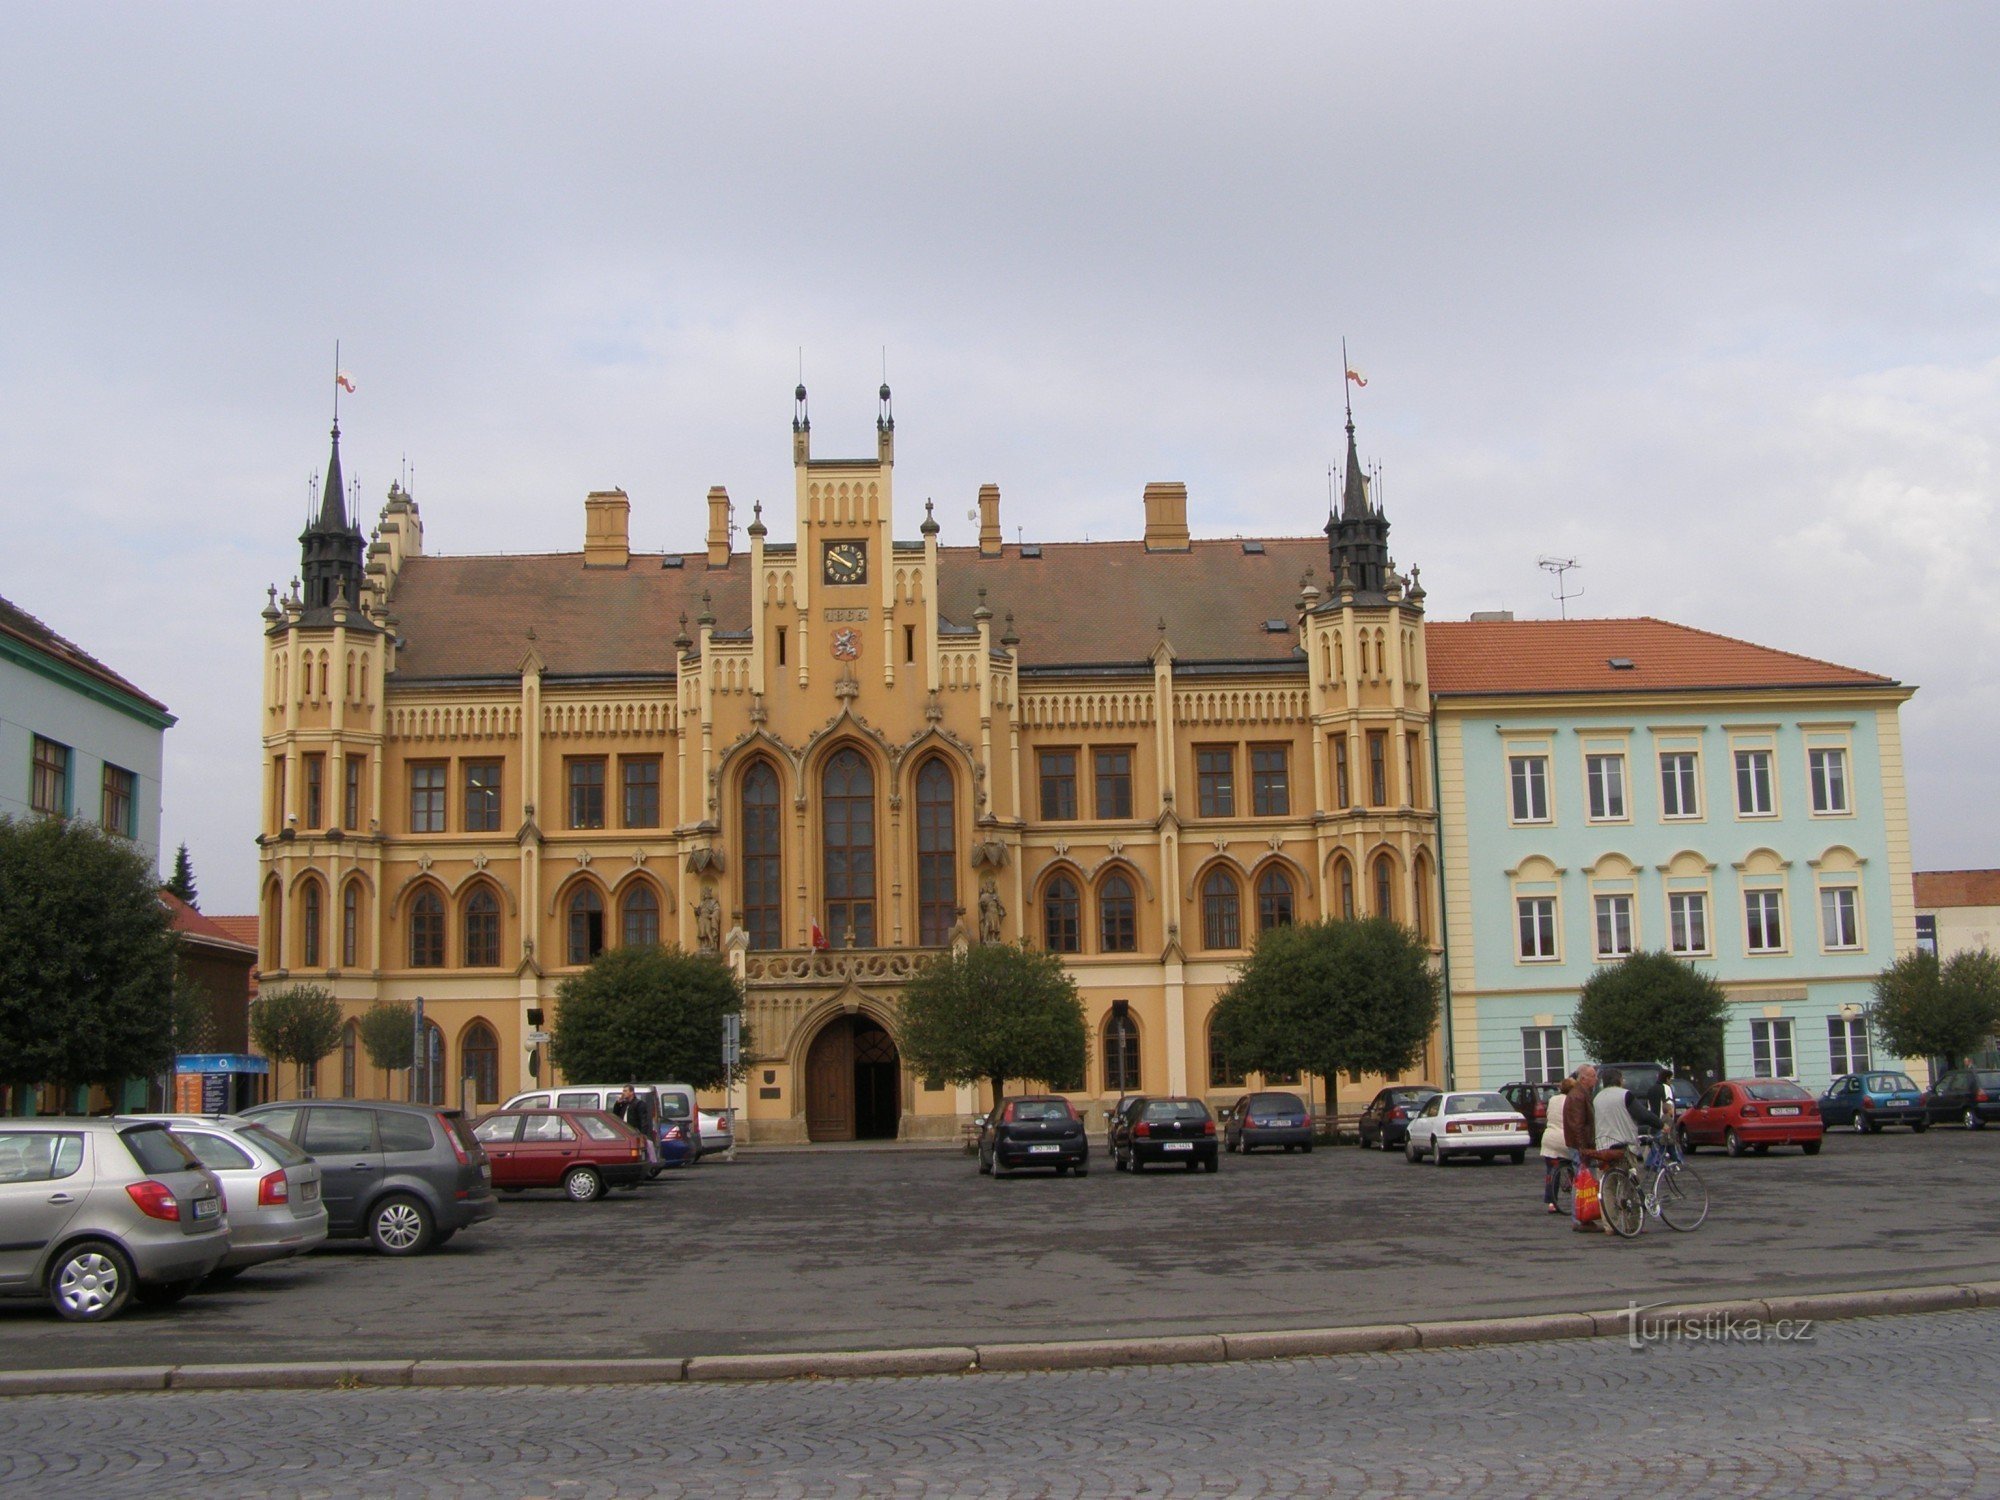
865	1248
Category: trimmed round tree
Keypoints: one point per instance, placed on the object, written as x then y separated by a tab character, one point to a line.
1330	997
1651	1006
648	1014
1931	1009
994	1012
298	1024
388	1031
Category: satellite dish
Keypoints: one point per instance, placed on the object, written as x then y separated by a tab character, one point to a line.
972	514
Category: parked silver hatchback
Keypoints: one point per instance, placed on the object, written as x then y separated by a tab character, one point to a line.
270	1188
95	1212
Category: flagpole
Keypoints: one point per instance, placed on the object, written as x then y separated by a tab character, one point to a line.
336	381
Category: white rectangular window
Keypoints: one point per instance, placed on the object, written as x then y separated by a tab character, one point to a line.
1839	917
1528	775
1543	1055
1687	921
1763	921
1605	776
1614	926
1680	784
1847	1045
1771	1049
1753	784
1538	926
1829	781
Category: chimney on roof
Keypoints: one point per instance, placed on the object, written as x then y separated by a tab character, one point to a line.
718	527
989	520
607	541
1166	518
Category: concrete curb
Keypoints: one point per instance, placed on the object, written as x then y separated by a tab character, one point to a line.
950	1359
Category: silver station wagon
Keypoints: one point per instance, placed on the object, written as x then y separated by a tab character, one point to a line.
270	1188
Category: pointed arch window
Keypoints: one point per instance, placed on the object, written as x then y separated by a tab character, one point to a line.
482	929
274	927
639	918
309	925
1221	911
1343	880
1117	915
481	1064
1274	900
1062	916
427	930
1421	898
1385	886
586	925
848	820
350	1061
1221	1073
937	855
762	884
350	925
1121	1051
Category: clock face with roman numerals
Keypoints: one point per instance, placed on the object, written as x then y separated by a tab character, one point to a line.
845	562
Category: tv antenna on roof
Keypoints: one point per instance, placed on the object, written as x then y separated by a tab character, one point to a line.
1559	567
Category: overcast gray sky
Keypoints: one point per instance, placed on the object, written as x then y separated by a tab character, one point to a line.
1701	295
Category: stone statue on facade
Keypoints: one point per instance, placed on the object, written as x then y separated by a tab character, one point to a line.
708	921
960	936
991	912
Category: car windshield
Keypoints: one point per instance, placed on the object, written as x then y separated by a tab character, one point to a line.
1775	1088
1891	1083
1175	1109
154	1148
1411	1096
1277	1104
1041	1109
1473	1104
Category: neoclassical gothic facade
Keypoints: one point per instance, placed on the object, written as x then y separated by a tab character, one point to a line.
834	755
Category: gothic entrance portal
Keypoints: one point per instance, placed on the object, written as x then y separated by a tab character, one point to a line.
854	1082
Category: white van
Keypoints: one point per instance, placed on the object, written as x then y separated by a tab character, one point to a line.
676	1119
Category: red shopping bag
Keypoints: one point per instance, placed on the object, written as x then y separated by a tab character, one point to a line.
1588	1208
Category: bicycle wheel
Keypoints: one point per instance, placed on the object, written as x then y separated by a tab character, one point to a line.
1624	1205
1682	1198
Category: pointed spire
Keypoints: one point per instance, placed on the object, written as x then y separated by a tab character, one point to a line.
1354	498
333	504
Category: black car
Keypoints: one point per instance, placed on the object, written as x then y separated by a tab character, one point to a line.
1037	1131
1964	1096
1268	1119
1532	1100
1151	1128
407	1176
1386	1120
1640	1077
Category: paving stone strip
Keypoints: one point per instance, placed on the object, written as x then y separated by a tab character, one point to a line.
996	1358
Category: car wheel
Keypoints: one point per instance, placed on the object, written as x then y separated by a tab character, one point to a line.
91	1282
1972	1120
985	1166
1811	1148
1517	1157
1732	1143
583	1185
1682	1141
401	1225
1860	1125
1918	1127
1437	1154
1411	1154
1212	1164
161	1293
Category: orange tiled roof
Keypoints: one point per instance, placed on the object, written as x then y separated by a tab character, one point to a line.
1470	658
1947	888
237	929
191	924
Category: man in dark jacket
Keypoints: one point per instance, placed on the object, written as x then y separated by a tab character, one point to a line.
633	1111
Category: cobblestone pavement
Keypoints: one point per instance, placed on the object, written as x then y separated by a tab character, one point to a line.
1856	1410
857	1250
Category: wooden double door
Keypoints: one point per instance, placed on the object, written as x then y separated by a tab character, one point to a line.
854	1082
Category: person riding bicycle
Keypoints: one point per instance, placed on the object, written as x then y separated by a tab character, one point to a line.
1621	1116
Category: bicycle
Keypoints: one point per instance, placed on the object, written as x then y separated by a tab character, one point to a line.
1663	1185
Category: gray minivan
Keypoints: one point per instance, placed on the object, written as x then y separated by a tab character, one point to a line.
408	1176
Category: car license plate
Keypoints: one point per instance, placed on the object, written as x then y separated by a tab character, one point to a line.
1494	1125
1786	1110
1039	1150
207	1208
1180	1145
309	1192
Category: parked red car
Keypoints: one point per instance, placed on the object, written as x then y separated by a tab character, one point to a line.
582	1151
1753	1114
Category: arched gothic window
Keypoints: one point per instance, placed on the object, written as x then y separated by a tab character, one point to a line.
1121	1052
639	925
1062	912
482	929
848	818
350	925
309	925
586	925
427	930
937	855
1117	915
1421	895
274	926
1385	886
1343	880
1221	911
482	1063
350	1061
1274	899
762	889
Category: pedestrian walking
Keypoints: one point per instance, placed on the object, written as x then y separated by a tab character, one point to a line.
1580	1133
1555	1155
631	1108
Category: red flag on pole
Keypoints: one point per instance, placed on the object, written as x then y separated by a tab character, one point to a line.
346	381
819	941
1352	374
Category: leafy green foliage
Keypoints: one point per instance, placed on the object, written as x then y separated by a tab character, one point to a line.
1651	1006
995	1012
181	882
1924	1008
389	1034
194	1015
298	1024
87	957
1329	997
651	1014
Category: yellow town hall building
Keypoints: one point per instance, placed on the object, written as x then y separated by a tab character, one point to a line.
482	770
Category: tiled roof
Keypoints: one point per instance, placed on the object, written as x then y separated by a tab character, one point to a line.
24	627
191	924
239	929
1477	657
1938	889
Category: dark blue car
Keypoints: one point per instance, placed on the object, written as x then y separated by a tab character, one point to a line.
1865	1102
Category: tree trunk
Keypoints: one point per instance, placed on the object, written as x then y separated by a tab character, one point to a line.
999	1083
